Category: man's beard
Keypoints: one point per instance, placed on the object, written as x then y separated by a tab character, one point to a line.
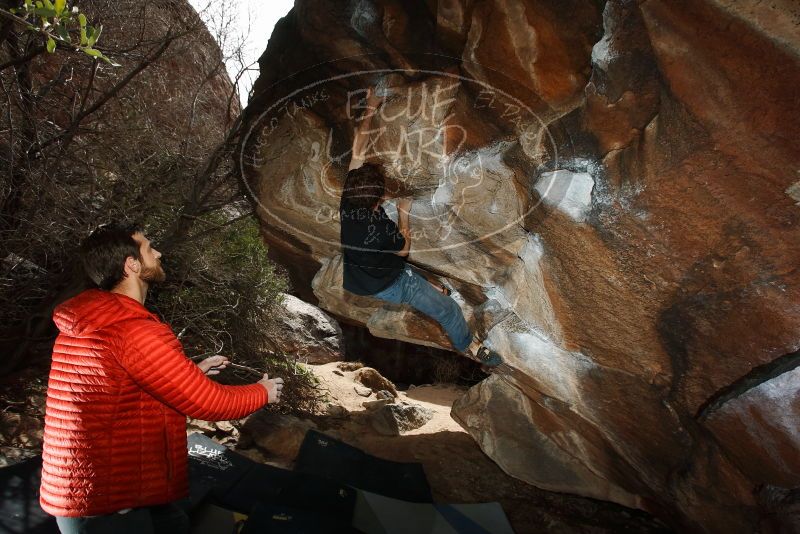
153	274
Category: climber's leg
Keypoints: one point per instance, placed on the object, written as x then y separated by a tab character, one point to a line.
437	285
423	296
414	289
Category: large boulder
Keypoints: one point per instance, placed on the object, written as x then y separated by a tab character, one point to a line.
757	422
307	333
611	190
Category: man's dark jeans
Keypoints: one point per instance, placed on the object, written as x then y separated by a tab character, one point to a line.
413	289
160	519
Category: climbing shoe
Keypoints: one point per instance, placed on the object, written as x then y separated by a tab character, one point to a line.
488	357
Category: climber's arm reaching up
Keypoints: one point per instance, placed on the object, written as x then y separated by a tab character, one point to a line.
403	209
361	134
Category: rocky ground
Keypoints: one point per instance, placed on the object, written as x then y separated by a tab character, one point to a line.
368	411
362	411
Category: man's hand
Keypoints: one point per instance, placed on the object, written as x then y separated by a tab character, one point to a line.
213	365
274	386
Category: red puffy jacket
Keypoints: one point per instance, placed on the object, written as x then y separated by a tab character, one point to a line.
115	421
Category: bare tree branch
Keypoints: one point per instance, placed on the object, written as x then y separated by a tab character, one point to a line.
66	135
22	59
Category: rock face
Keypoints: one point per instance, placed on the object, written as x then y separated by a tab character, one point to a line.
611	190
307	332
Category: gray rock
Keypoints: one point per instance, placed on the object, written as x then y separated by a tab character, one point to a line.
393	419
743	424
511	438
372	405
363	391
307	333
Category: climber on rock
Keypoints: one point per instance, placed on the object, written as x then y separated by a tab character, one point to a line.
114	453
375	249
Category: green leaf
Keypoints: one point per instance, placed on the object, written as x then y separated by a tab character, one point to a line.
59	6
95	35
104	58
49	5
28	5
82	19
51	45
39	4
98	54
13	11
45	12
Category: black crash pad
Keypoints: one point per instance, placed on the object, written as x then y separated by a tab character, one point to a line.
330	458
281	519
20	512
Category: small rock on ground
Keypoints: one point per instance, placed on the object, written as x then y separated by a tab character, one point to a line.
363	391
349	366
371	405
375	381
393	419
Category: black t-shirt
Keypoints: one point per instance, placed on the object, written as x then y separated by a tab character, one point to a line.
369	241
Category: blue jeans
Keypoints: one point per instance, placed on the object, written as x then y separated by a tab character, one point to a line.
159	519
412	288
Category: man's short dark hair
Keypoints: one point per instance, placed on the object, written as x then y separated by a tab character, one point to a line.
364	186
104	252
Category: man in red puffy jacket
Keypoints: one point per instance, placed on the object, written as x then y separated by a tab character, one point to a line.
120	388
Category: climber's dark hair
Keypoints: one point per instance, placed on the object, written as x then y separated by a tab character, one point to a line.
105	250
363	186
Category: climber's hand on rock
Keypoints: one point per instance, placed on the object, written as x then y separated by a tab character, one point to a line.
274	387
213	365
